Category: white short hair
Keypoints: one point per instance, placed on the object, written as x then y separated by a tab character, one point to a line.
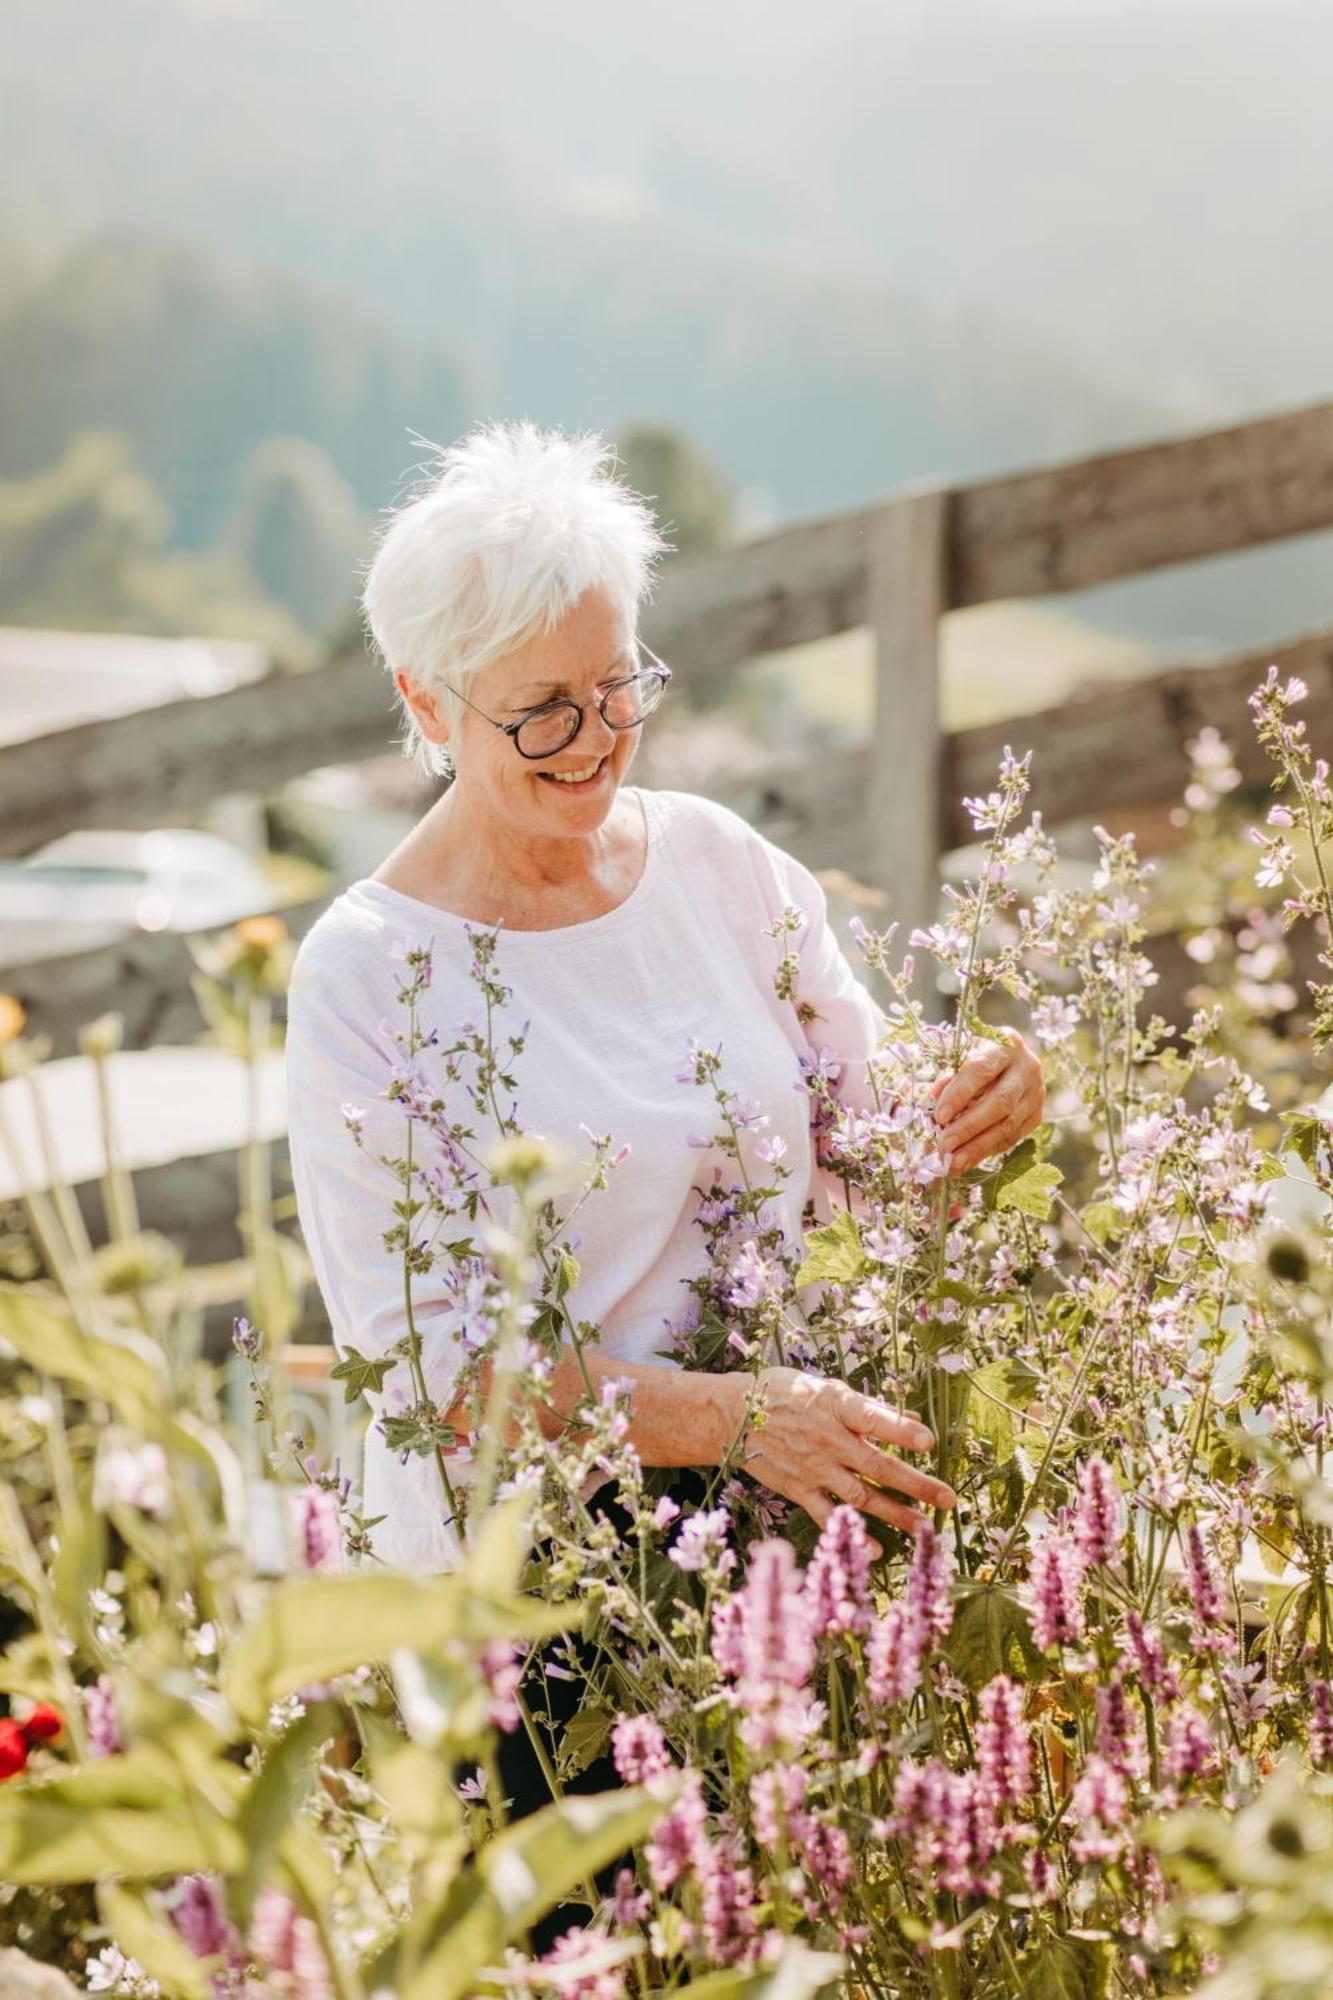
510	529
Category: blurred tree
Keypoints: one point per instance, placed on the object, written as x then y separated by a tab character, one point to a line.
81	548
694	500
201	358
296	528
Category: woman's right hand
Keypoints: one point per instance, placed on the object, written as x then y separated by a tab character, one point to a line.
816	1441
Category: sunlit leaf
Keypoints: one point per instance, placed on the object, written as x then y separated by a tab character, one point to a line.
315	1627
833	1253
117	1365
148	1937
517	1877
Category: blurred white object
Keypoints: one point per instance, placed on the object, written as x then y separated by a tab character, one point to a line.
167	1104
96	885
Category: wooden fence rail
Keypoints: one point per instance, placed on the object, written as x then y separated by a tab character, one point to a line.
1105	751
885	810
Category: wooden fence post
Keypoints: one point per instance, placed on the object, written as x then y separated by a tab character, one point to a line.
906	596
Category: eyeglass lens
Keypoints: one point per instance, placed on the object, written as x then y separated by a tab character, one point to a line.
624	705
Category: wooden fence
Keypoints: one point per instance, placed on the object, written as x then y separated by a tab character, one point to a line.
884	810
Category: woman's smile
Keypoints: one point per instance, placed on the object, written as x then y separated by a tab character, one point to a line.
585	779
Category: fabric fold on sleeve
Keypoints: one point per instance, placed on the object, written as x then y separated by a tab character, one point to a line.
344	1197
848	1021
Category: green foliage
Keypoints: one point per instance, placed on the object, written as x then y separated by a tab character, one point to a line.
834	1253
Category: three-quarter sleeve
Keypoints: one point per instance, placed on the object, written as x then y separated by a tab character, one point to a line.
338	1064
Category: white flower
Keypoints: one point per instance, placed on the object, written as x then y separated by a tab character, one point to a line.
112	1972
131	1476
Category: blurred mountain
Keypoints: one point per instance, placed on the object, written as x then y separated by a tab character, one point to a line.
838	247
202	358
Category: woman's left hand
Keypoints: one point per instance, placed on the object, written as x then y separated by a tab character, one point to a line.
990	1102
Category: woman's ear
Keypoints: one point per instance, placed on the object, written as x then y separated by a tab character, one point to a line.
431	720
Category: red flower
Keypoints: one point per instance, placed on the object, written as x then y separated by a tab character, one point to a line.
44	1722
13	1747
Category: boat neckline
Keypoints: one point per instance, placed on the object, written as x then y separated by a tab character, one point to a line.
651	807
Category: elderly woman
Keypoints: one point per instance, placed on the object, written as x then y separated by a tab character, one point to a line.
504	598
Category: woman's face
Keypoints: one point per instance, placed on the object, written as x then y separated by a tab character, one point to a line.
592	645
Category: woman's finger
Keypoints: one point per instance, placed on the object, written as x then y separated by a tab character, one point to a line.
856	1492
971	1077
868	1417
876	1466
997	1140
1002	1100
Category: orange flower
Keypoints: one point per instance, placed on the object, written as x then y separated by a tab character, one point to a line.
13	1018
264	932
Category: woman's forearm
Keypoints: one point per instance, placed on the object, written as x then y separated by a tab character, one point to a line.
678	1416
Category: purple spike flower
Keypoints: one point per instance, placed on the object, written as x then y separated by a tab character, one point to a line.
1004	1749
1054	1592
1097	1522
837	1577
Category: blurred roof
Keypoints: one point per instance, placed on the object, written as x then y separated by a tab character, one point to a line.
52	680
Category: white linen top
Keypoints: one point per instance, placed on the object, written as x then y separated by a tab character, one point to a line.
613	1003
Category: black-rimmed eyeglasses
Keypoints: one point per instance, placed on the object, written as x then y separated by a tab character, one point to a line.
552	727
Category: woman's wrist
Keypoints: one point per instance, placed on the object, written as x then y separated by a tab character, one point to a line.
731	1397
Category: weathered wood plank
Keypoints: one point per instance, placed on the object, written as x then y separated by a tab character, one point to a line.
1118	748
1060	527
158	764
799	583
1122	746
903	803
1092	520
145	978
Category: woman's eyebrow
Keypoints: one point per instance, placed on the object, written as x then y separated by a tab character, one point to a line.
562	687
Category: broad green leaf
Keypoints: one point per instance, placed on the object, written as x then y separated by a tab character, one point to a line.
498	1548
143	1934
1103	1220
315	1627
274	1798
1067	1968
1306	1133
833	1253
584	1738
359	1376
413	1783
799	1974
516	1878
1030	1193
119	1366
123	1816
999	1389
990	1636
80	1562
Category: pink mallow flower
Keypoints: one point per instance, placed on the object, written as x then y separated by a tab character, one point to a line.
502	1671
318	1528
